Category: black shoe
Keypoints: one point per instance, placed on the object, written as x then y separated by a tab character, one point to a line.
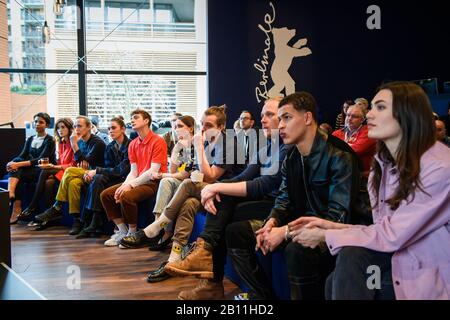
159	274
76	227
83	234
95	223
160	246
139	239
26	214
49	215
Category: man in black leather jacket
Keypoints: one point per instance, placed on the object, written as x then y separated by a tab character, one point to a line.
320	177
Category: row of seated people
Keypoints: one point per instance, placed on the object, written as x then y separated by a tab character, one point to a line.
308	201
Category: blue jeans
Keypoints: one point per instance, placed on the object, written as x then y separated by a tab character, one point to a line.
352	279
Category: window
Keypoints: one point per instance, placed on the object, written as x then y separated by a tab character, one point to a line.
127	42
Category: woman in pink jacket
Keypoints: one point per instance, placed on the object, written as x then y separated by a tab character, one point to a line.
405	254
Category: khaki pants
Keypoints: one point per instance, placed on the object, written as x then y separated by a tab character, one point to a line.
183	206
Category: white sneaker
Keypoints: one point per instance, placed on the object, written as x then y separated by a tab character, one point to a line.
241	296
115	239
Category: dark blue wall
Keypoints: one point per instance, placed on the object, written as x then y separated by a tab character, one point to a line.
348	59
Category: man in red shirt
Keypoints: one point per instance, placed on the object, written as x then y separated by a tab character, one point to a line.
148	157
355	134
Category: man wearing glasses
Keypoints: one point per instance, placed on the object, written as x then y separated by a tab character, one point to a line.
247	138
355	134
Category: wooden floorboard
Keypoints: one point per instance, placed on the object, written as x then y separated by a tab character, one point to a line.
43	259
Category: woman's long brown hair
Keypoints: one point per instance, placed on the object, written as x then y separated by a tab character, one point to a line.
412	109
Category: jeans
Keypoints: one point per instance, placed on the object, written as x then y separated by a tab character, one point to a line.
350	279
99	183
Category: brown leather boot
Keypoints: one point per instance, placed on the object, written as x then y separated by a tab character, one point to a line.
205	290
198	263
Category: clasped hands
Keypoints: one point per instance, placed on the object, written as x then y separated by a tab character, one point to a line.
307	231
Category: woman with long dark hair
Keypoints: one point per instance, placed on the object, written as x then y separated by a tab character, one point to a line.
405	254
50	172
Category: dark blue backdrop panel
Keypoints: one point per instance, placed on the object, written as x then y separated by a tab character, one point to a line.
348	60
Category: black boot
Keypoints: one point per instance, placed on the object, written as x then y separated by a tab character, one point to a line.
76	226
248	268
95	226
87	217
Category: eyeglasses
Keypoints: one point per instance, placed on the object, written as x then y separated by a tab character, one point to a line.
353	116
244	118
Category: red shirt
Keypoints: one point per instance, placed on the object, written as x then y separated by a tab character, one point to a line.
152	149
360	142
65	158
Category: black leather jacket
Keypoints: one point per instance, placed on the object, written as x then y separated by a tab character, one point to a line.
325	184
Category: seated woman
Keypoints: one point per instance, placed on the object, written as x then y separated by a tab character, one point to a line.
405	253
181	165
50	172
23	167
117	167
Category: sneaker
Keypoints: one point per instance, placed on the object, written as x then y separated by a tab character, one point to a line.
33	223
241	296
138	239
115	239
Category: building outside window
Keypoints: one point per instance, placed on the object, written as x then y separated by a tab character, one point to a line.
127	38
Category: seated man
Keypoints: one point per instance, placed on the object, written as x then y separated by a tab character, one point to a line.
186	200
148	157
246	141
441	133
88	153
248	196
318	179
117	167
355	134
23	167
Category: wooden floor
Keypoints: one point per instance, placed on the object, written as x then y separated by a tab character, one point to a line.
44	260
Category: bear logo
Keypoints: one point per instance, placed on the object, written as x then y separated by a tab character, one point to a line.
284	54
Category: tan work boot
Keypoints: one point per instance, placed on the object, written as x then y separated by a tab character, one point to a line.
198	263
205	290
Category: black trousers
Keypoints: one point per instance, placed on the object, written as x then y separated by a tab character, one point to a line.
361	274
27	174
44	188
230	209
307	268
241	242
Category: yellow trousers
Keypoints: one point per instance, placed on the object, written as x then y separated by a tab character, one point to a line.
70	188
